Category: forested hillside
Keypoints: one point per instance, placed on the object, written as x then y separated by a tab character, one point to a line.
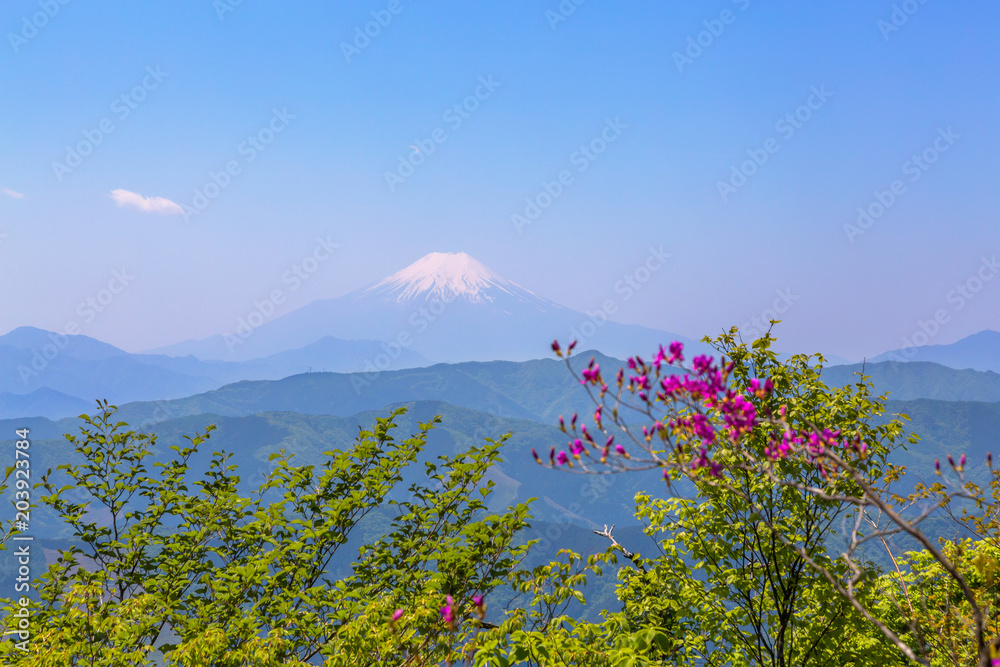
438	485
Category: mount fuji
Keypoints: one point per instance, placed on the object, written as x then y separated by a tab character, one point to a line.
447	307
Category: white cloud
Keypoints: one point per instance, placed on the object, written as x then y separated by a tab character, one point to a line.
146	204
12	193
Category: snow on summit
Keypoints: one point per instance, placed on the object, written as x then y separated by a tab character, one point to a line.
447	274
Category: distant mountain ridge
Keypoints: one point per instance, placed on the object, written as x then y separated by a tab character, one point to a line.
907	381
44	402
945	427
44	373
980	351
448	307
539	390
251	438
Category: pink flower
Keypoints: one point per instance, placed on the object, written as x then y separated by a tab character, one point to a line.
479	602
591	374
703	364
448	613
660	358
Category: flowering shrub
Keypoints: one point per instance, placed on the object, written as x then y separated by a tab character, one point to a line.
719	425
765	470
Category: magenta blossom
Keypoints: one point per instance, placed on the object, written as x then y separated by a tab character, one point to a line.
479	602
448	613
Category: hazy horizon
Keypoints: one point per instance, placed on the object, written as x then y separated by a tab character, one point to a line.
222	148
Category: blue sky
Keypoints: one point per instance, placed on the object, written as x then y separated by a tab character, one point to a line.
224	76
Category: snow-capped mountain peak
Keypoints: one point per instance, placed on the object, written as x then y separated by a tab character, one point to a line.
447	275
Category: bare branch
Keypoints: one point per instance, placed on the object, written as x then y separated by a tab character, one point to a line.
631	555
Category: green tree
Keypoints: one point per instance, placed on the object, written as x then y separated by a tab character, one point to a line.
755	545
732	578
168	562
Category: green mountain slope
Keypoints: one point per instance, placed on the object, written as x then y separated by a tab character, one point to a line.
906	381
